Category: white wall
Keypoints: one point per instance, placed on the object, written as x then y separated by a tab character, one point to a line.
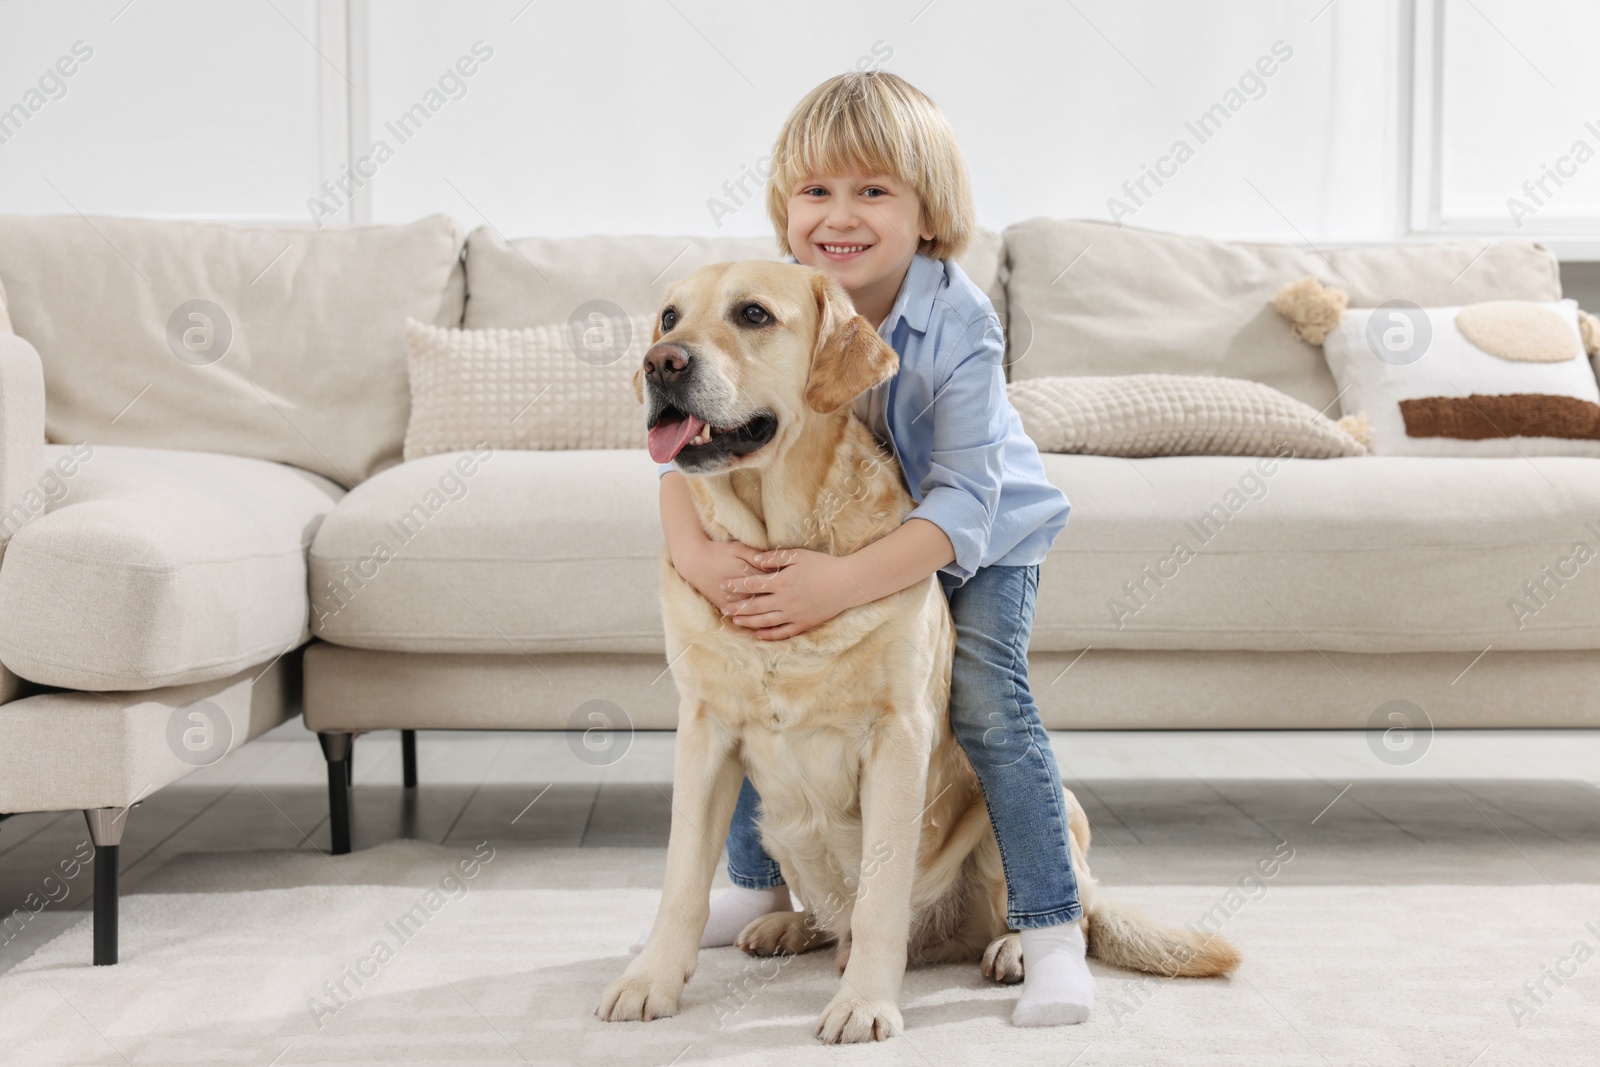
181	108
587	121
630	116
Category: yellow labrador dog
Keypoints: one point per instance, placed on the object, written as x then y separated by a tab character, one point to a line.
869	804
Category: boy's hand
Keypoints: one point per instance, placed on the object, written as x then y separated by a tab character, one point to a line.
712	563
800	589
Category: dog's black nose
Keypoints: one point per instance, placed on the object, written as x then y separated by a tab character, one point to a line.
666	362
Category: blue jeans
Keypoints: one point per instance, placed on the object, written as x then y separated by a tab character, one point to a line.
997	724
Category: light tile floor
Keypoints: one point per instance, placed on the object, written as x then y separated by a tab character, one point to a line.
1499	807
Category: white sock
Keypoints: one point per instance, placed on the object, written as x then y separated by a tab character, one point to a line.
734	909
1057	987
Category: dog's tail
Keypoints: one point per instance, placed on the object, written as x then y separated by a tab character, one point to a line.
1124	936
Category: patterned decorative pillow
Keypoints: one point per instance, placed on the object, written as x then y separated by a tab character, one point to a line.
1505	378
541	388
1176	415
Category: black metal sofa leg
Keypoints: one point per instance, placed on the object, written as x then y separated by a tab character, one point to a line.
105	830
336	749
408	757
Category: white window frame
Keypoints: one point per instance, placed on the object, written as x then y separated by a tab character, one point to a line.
1569	237
342	34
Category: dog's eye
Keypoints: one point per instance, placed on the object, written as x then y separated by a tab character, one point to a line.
669	319
756	315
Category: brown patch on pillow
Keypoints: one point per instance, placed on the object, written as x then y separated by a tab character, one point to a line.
1311	307
1518	330
1478	417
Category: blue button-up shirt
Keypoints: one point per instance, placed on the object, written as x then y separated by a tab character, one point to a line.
967	463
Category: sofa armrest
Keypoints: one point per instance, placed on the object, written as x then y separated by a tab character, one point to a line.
21	430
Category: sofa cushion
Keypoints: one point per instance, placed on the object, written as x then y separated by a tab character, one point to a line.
544	281
496	551
510	553
1106	299
1371	554
283	344
21	434
153	568
10	685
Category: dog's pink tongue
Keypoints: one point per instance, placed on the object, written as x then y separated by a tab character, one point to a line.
668	438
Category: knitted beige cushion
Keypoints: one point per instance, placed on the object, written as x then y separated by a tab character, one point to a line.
1176	415
5	316
525	388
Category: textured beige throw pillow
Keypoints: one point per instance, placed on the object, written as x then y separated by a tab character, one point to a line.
527	388
5	316
1137	415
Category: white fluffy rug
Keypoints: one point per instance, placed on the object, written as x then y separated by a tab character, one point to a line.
290	958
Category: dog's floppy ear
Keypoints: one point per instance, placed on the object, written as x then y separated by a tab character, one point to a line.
638	374
850	357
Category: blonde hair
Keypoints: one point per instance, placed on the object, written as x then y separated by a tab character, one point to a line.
876	122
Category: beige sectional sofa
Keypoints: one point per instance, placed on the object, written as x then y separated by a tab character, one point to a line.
153	597
211	564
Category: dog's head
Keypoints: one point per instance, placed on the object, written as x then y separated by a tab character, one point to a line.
744	356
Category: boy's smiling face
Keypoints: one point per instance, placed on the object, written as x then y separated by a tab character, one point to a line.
862	230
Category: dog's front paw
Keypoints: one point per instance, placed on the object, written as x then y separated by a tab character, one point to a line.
634	997
853	1019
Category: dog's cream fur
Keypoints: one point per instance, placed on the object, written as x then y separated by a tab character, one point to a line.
869	804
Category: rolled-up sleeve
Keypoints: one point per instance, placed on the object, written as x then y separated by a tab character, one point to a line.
665	467
961	492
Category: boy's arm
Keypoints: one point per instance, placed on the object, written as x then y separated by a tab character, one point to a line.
896	560
680	523
961	496
961	491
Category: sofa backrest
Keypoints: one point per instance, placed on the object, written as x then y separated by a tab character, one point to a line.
279	343
1096	298
543	281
